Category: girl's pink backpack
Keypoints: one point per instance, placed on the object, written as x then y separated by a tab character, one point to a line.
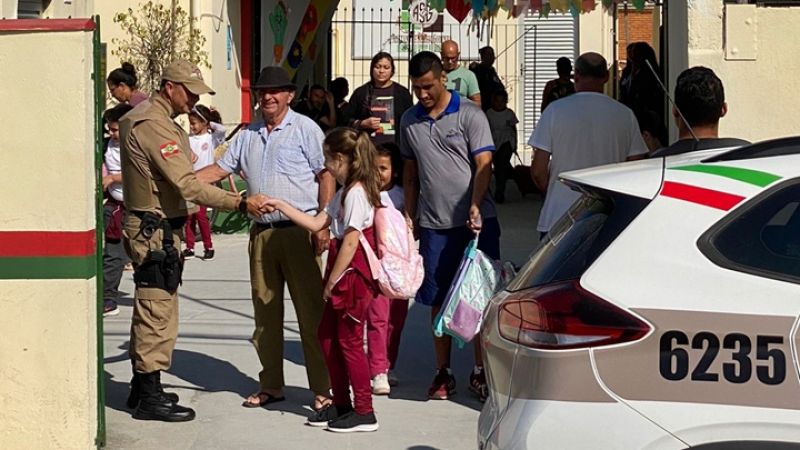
398	270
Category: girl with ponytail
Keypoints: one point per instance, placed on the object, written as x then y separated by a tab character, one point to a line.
349	286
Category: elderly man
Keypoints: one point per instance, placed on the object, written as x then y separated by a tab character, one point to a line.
608	133
158	180
282	157
459	78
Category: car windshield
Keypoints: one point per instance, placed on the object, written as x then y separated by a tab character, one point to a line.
578	238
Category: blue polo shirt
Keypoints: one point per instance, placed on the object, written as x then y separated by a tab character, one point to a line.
283	163
444	148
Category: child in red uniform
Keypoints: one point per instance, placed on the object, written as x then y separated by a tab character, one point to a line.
386	317
349	287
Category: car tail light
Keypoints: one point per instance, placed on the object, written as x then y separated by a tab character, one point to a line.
565	316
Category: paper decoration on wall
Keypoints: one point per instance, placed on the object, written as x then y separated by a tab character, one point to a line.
310	22
489	8
303	46
459	9
295	56
278	23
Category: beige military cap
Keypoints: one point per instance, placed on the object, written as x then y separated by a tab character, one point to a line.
188	74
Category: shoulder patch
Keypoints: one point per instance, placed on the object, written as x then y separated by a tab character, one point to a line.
169	149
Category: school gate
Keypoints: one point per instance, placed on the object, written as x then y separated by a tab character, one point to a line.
526	47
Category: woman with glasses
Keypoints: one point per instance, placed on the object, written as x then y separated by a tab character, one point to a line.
122	84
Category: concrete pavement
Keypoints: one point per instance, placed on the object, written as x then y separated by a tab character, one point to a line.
215	367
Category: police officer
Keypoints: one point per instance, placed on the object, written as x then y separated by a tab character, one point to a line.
157	181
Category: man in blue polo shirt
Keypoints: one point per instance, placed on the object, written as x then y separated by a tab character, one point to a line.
447	146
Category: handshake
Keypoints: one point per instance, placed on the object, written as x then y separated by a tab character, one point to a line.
260	204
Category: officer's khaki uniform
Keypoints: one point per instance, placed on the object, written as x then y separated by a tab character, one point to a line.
157	177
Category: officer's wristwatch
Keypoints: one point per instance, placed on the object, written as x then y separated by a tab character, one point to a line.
243	205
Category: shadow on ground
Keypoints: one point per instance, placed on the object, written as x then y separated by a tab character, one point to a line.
205	373
416	364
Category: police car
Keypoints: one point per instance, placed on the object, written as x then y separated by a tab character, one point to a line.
660	313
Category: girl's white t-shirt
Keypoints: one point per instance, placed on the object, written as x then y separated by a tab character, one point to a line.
114	166
202	146
356	212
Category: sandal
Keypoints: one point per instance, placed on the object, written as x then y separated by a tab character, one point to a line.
264	398
319	405
477	384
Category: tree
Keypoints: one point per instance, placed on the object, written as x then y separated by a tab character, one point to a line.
156	36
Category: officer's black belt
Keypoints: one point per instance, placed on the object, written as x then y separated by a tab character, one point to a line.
176	222
273	225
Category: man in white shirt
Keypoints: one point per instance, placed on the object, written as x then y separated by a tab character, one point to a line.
583	130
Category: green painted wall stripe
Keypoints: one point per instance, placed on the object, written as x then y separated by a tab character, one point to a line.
749	176
43	268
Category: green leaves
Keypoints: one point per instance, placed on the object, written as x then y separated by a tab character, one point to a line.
156	36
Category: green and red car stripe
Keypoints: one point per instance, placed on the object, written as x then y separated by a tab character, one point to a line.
710	197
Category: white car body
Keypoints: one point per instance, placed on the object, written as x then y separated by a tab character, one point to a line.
689	378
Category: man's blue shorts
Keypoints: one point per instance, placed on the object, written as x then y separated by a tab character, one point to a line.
442	251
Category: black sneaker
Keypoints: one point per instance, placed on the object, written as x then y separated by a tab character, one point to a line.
323	416
354	422
188	254
208	255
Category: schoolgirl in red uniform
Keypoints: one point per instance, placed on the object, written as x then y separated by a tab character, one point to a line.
349	287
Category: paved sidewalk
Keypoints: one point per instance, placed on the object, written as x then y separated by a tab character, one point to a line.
215	367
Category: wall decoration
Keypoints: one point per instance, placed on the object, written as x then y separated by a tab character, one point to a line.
278	21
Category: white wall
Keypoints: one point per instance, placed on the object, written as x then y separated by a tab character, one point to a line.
761	88
48	352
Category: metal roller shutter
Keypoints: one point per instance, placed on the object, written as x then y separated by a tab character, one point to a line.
29	9
546	40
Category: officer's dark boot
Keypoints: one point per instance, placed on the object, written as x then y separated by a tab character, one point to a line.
154	405
136	391
170	395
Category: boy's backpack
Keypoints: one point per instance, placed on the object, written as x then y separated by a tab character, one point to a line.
477	280
398	268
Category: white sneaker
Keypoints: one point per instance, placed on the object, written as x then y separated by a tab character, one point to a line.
380	384
393	381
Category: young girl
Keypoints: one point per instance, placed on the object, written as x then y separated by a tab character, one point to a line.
386	317
349	287
202	123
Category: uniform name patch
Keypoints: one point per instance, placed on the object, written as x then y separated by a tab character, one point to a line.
169	149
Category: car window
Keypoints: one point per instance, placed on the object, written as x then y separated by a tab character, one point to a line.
578	238
762	238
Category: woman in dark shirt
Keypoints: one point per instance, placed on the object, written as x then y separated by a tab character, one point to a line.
378	105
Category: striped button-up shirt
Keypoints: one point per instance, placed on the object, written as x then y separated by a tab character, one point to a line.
283	163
